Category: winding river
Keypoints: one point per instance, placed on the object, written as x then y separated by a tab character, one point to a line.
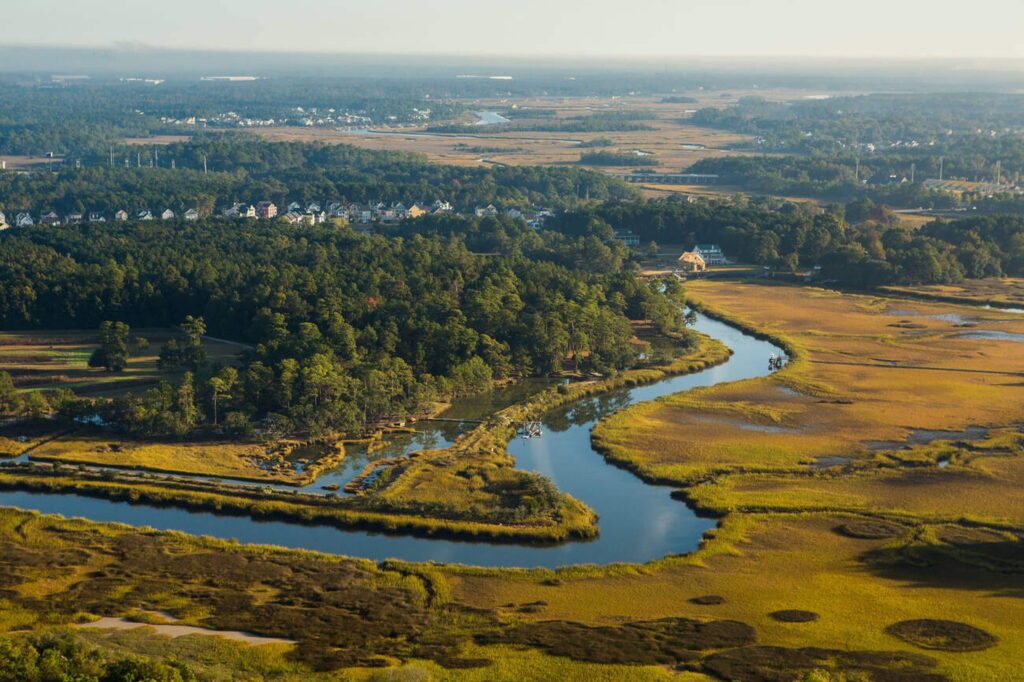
638	522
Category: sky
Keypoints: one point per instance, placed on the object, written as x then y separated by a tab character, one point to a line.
990	29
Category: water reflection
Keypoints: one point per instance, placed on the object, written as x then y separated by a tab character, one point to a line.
638	522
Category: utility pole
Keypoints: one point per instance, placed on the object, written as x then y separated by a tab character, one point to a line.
138	159
913	172
111	157
157	153
204	165
857	170
999	172
940	168
172	164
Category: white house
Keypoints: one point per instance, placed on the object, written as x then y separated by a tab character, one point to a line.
168	214
23	220
191	215
97	218
144	215
711	253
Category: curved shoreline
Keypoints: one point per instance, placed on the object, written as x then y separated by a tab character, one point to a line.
626	536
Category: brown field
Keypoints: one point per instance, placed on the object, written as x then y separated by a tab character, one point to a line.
52	359
670	132
871	371
155	140
26	162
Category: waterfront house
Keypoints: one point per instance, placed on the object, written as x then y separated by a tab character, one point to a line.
711	253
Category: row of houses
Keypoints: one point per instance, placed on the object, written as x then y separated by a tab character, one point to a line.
295	213
75	218
314	213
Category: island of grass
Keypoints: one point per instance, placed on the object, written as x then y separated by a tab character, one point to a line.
282	461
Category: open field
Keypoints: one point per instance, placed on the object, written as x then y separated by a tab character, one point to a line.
675	143
29	162
276	462
870	374
48	359
155	140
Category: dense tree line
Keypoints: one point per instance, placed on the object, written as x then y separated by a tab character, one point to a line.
895	140
246	169
345	330
855	244
882	179
885	121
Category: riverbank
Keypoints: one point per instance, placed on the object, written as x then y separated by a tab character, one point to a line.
470	491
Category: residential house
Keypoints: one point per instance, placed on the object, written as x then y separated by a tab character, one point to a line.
295	207
293	217
692	262
247	212
144	214
488	212
121	216
168	214
23	220
313	207
191	215
97	218
628	238
514	213
415	211
3	221
266	209
49	218
711	253
73	218
440	206
360	214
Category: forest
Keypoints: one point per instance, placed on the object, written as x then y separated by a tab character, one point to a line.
242	168
855	244
344	330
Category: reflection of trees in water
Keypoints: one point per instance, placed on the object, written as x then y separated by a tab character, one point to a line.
587	411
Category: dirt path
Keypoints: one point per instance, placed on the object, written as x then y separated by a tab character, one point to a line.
174	631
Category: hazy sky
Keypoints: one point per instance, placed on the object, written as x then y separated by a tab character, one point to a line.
643	28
